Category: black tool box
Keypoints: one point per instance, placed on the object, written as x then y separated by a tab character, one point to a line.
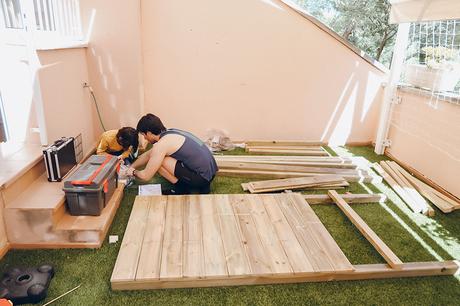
59	158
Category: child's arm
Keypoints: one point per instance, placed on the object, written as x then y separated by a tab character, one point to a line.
102	147
126	153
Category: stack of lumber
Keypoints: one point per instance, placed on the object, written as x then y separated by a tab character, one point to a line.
286	147
290	167
412	190
316	182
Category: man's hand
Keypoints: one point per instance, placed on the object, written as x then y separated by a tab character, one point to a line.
120	157
130	171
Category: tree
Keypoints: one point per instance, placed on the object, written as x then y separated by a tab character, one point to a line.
362	22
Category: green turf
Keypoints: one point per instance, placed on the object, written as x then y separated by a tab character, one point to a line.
92	268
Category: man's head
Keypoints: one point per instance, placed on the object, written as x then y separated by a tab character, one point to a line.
150	126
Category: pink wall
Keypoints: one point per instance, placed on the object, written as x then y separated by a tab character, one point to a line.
114	58
425	134
67	107
256	69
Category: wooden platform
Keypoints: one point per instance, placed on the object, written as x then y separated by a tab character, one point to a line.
227	240
191	238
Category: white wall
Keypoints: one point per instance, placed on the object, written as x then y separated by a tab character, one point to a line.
67	107
257	69
115	59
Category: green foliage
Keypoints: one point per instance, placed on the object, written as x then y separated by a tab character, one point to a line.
364	23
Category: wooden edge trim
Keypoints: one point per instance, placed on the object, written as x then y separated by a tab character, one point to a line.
314	199
5	249
361	272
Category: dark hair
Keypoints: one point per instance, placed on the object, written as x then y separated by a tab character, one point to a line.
128	136
150	123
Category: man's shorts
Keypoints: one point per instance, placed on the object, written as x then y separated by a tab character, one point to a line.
189	177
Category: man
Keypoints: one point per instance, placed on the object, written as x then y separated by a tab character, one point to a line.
178	156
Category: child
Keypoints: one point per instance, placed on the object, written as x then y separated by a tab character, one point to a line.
122	143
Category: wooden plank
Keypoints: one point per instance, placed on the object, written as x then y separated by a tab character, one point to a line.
444	203
398	189
367	232
297	182
285	168
171	257
409	189
361	272
425	179
235	254
285	147
150	257
289	163
316	255
365	178
258	258
286	158
324	239
297	258
283	143
215	262
291	151
130	249
193	257
314	199
268	237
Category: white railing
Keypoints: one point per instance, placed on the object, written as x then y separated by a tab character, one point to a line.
50	21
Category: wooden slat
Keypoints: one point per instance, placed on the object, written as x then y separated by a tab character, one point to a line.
296	183
285	168
323	238
193	256
289	163
291	158
235	254
314	199
273	249
171	257
214	255
128	256
258	260
428	192
361	177
291	151
408	188
150	257
298	259
316	255
286	147
283	143
367	232
398	189
361	272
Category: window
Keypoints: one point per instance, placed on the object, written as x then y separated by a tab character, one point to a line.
432	62
11	13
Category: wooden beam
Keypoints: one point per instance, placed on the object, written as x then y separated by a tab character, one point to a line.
367	232
289	163
361	272
283	143
291	151
314	199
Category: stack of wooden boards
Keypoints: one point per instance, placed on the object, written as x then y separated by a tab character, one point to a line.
269	166
316	182
413	191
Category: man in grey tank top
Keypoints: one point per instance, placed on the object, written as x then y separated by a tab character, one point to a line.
178	156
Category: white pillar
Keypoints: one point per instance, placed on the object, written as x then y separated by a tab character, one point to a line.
397	62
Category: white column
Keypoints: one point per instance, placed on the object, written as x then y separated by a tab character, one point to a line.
397	62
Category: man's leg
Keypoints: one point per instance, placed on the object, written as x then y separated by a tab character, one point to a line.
167	169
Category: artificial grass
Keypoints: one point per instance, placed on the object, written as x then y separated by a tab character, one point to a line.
93	268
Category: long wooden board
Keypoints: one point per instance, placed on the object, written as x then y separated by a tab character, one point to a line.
367	232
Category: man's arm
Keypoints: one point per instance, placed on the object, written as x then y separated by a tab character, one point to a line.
142	160
156	156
